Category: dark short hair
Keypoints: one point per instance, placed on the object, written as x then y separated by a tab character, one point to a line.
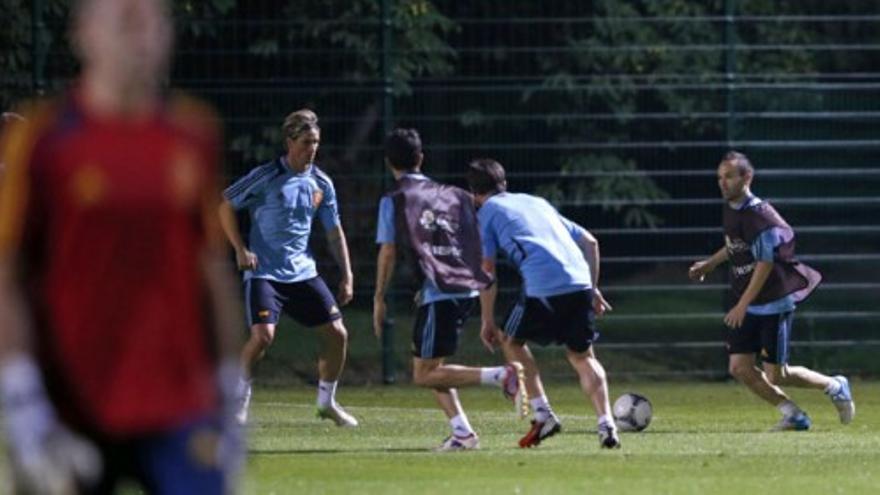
403	149
486	175
740	161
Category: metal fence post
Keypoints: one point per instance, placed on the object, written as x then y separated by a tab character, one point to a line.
38	51
389	372
730	40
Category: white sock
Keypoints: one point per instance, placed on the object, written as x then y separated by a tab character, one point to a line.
492	376
326	393
542	408
605	419
833	387
461	427
244	388
788	408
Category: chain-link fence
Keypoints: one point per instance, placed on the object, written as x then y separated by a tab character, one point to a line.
616	111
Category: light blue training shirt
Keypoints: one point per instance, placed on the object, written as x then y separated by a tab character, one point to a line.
540	242
282	205
385	234
763	248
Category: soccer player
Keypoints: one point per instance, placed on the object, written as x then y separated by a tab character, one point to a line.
435	226
282	198
559	264
116	348
767	282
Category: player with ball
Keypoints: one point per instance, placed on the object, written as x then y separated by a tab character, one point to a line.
559	264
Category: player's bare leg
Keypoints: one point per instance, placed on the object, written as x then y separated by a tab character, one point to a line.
331	360
334	344
594	384
545	423
744	368
463	436
261	338
434	373
521	353
796	376
837	387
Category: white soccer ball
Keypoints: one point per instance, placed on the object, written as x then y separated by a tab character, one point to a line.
632	412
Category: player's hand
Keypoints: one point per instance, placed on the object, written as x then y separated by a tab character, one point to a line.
64	461
46	457
698	271
489	335
734	318
600	305
378	316
346	291
245	259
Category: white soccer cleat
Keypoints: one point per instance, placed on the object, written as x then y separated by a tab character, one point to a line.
457	444
514	387
608	438
244	402
843	401
338	415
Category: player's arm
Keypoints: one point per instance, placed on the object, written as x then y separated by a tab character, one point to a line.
244	258
384	271
589	246
488	296
700	269
737	314
328	213
385	237
763	249
30	418
339	250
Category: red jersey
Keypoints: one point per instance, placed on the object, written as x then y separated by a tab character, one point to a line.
108	221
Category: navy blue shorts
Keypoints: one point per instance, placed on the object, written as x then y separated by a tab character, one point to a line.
765	335
567	319
180	460
309	302
438	325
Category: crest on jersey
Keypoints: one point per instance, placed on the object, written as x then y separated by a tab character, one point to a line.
184	177
431	221
88	185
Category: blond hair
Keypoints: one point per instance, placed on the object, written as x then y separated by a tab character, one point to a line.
298	122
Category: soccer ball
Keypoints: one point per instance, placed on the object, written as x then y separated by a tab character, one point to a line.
632	412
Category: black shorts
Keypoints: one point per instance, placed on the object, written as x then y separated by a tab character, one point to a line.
765	335
309	302
438	325
567	319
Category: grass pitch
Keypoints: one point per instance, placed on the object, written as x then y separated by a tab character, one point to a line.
704	439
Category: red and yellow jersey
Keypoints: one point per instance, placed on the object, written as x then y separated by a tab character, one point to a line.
108	221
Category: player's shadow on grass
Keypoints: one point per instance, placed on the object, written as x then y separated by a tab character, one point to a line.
388	450
650	431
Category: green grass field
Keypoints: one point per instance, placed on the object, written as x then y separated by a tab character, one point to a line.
705	439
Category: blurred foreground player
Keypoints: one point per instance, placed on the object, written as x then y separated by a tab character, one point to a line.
117	353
